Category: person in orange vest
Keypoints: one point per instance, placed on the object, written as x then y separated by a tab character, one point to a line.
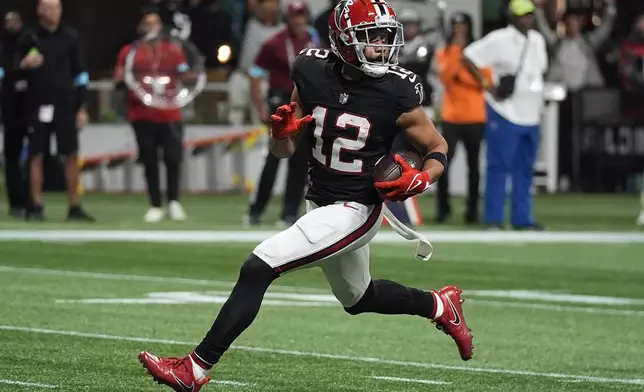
463	113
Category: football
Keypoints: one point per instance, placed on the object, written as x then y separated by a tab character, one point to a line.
388	170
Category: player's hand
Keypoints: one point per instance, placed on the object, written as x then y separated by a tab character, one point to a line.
412	182
284	124
32	61
82	118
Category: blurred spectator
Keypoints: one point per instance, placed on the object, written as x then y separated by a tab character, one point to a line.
50	55
573	57
155	129
203	22
574	64
12	103
211	29
275	61
518	58
173	17
640	218
462	112
322	24
632	58
260	28
417	54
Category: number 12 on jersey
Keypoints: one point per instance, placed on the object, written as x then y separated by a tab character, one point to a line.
350	145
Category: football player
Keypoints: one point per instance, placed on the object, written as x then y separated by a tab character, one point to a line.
350	102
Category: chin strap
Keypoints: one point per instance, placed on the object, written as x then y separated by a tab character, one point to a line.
424	250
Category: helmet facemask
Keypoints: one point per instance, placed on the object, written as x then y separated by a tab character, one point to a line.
384	36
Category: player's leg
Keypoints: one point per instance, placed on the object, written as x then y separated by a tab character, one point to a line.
522	178
501	140
264	189
452	135
640	218
67	145
38	142
350	280
145	133
298	169
172	143
13	138
472	140
321	233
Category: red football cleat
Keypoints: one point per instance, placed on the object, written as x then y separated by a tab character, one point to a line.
452	321
177	373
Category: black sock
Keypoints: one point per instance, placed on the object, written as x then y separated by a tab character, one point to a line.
387	297
238	312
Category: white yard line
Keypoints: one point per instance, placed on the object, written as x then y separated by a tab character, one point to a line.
379	361
294	289
556	308
385	237
143	278
410	380
28	384
230	383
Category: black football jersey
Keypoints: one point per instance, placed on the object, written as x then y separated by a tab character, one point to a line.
354	124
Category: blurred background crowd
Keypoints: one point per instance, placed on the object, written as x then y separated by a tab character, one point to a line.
595	54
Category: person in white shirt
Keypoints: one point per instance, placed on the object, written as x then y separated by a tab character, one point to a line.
517	55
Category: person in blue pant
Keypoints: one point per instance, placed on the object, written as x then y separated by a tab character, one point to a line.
517	55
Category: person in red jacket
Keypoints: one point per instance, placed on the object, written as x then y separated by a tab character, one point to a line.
156	129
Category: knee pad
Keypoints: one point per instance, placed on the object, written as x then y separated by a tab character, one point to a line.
256	269
366	302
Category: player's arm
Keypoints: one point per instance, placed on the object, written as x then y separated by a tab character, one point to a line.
285	124
26	56
81	76
119	70
478	55
258	72
422	133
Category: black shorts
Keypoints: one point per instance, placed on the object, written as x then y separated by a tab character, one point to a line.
63	126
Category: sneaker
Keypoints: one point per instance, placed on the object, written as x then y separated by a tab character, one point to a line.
250	220
451	319
180	374
176	212
530	227
78	214
17	212
154	215
35	214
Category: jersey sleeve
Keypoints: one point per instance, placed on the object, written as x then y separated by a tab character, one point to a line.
120	60
24	45
265	57
308	66
409	89
486	51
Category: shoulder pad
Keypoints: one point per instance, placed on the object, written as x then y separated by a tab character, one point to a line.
309	58
408	86
315	53
403	74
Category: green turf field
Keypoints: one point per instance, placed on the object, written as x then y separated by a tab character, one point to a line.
566	212
546	317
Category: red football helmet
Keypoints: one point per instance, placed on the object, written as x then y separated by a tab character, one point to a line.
355	25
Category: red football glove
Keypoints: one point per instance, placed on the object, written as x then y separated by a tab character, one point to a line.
284	124
412	182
